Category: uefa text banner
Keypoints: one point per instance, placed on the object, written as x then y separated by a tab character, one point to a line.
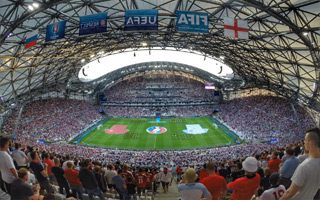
55	31
92	24
195	22
141	20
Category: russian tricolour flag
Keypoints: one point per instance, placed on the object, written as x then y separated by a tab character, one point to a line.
31	41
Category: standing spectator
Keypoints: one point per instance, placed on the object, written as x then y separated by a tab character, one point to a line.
190	190
109	174
50	164
58	173
100	179
132	192
72	177
306	178
19	157
289	166
120	185
40	172
165	178
7	168
276	191
274	163
216	184
244	188
20	190
89	181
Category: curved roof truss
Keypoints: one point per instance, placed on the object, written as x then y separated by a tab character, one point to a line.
282	53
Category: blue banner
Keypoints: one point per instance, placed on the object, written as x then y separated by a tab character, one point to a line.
192	22
139	20
91	24
55	31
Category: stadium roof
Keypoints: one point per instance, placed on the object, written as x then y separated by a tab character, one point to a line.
282	52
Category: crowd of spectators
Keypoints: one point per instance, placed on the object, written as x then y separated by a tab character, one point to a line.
286	171
166	111
52	119
261	118
165	89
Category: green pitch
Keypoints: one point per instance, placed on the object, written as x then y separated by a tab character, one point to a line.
174	138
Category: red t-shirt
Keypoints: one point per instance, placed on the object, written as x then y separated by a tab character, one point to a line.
203	173
50	164
149	179
72	176
244	188
274	165
141	180
216	185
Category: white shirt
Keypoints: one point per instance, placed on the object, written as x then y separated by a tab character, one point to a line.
307	177
273	193
165	177
6	163
20	157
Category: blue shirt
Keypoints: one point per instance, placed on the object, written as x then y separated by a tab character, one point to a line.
193	191
289	166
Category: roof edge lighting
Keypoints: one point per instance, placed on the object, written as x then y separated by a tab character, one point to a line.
104	65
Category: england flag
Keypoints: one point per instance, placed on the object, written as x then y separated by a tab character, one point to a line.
236	28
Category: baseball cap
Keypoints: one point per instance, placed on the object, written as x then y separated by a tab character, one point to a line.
250	164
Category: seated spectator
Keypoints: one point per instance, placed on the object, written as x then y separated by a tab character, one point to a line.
216	184
244	188
276	191
7	168
190	190
72	177
306	178
289	166
20	190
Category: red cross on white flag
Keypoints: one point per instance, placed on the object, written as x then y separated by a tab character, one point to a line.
235	28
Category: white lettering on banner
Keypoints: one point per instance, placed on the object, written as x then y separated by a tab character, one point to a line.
193	19
89	24
141	20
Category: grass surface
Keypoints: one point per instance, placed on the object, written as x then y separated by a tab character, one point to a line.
138	138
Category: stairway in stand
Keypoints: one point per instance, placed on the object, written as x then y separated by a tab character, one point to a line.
172	194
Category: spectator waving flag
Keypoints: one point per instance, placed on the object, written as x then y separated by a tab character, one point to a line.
235	28
31	41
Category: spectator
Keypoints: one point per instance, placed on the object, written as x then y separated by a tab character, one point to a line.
274	163
244	188
58	173
165	178
216	184
7	168
276	191
120	185
89	181
20	190
19	157
109	174
40	172
289	166
72	177
50	164
190	190
306	178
